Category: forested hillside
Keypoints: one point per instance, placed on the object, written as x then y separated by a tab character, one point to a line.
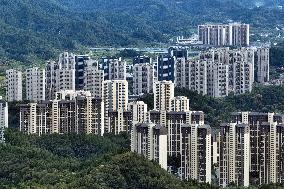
32	30
80	161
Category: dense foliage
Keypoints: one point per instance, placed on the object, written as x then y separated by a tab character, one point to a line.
79	161
277	55
217	110
33	30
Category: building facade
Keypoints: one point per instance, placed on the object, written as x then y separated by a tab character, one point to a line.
139	111
150	140
14	85
163	93
70	113
143	78
195	152
263	62
3	119
93	80
166	68
115	98
234	158
235	34
35	84
60	75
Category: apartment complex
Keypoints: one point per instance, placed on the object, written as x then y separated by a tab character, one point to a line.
71	112
115	98
93	80
196	152
114	68
35	84
3	119
217	72
234	34
262	57
234	154
14	85
143	78
249	148
150	140
166	68
163	93
139	111
60	75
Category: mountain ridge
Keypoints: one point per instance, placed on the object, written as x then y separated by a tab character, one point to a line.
33	30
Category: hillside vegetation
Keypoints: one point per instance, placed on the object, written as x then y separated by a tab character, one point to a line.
79	161
34	30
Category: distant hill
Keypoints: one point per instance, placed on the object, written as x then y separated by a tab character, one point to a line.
32	30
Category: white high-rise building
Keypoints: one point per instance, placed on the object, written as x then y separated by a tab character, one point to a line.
163	93
241	71
93	80
60	75
150	140
179	104
3	118
114	68
72	112
262	64
191	74
139	111
35	84
115	98
218	79
14	85
234	34
234	159
195	152
143	78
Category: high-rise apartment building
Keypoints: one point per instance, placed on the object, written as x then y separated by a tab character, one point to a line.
235	34
217	72
195	152
143	78
241	70
115	98
191	74
71	112
14	85
234	159
150	140
163	93
120	121
179	104
81	62
35	84
93	80
114	68
139	111
174	121
3	119
262	144
217	79
262	64
166	68
60	75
